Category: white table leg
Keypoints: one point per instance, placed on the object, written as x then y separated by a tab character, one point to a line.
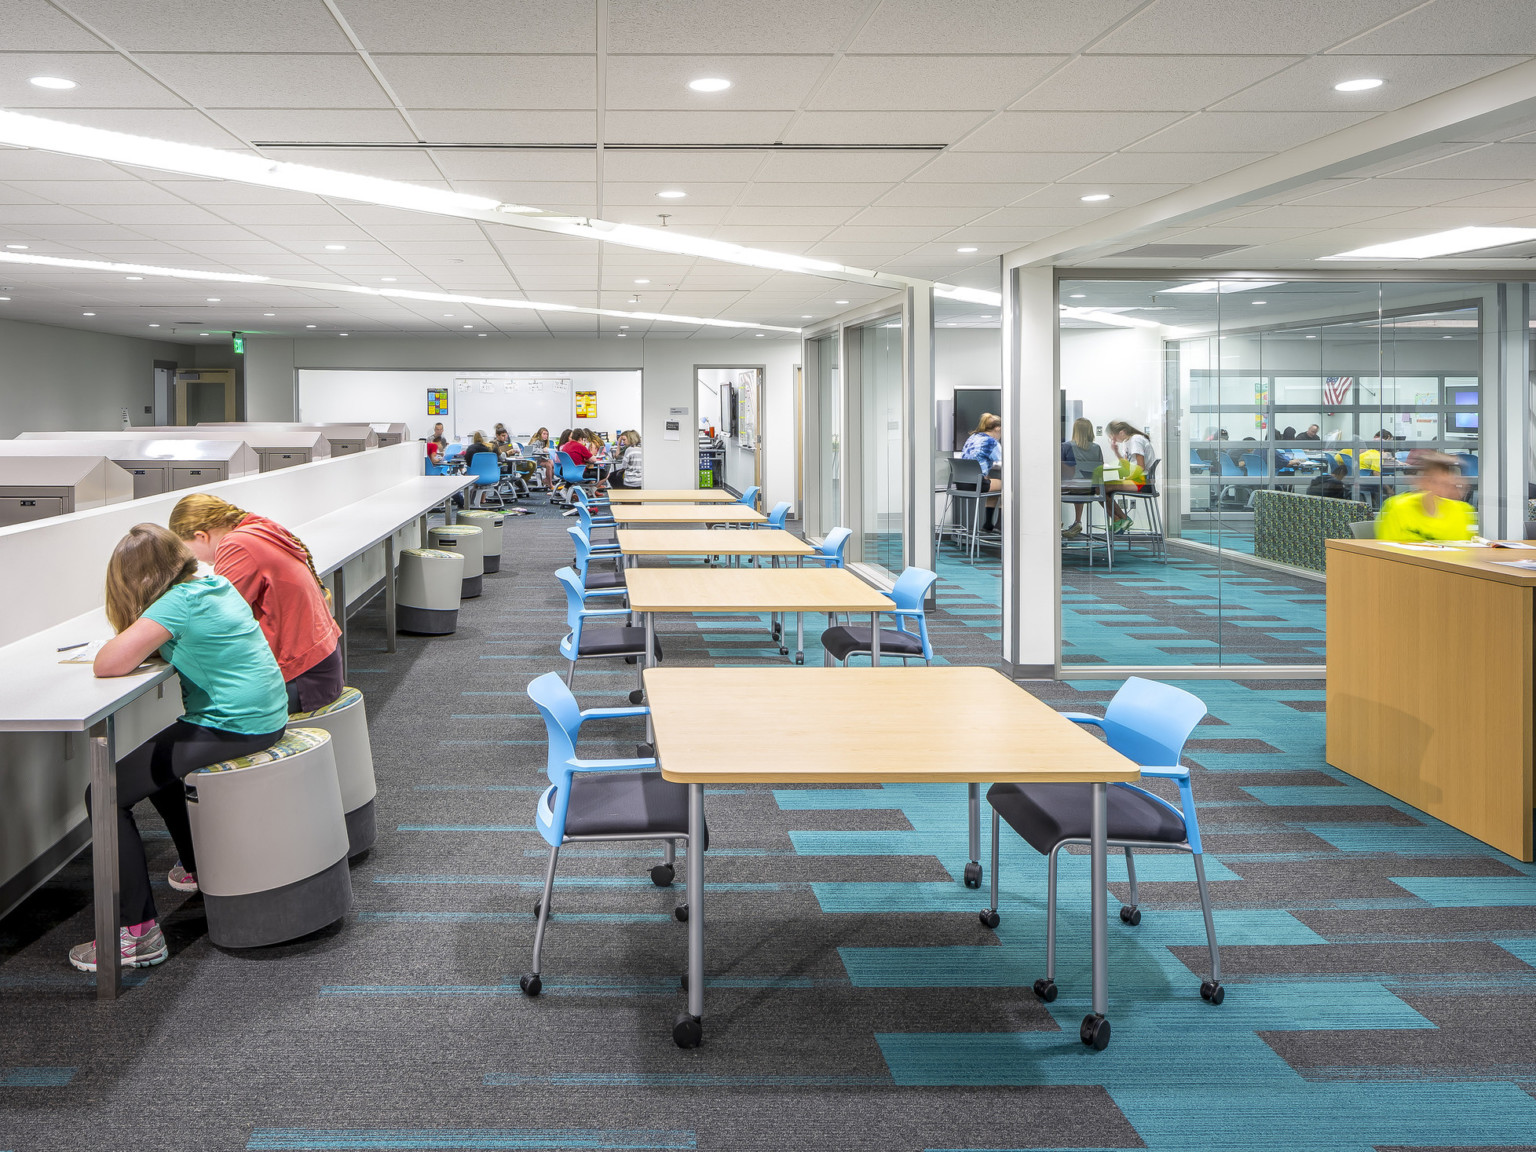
108	883
389	593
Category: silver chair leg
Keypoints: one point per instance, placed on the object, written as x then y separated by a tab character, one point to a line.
570	674
670	859
1207	990
1130	871
538	932
1050	914
989	917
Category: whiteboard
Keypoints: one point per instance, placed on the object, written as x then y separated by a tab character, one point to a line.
524	405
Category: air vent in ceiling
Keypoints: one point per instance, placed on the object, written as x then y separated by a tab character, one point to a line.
1180	251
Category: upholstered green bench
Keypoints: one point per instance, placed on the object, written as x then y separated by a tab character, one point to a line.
1290	528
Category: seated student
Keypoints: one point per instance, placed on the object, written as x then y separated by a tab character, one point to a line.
1434	510
1331	483
983	447
1131	447
579	449
1087	457
477	444
630	472
231	690
1309	434
437	438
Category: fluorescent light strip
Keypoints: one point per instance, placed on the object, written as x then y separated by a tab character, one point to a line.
1114	319
971	295
1438	244
386	293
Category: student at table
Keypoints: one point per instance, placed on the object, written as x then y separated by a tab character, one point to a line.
983	447
1309	434
1131	447
232	693
273	570
477	444
1087	457
1434	510
630	472
542	451
1331	483
438	439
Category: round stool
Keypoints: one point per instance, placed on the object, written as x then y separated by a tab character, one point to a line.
489	523
347	722
427	591
271	842
469	542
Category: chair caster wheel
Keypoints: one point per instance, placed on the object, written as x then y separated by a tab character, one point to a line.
644	751
989	917
1130	915
537	908
973	875
531	984
1094	1032
662	875
1212	991
1045	989
799	657
680	913
783	651
637	696
688	1032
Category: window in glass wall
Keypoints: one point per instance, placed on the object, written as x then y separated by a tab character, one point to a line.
829	421
880	444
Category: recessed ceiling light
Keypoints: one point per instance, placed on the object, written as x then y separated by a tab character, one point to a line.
466	325
335	247
479	333
1364	84
1311	337
213	299
154	325
311	325
839	301
709	84
4	297
634	299
133	277
1078	296
87	313
806	316
759	335
1261	301
1437	244
1447	337
205	333
642	281
623	335
1094	197
343	333
623	325
17	247
447	315
965	249
269	313
671	193
58	83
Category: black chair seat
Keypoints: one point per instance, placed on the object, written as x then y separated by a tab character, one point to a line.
627	804
841	642
597	578
613	642
1047	814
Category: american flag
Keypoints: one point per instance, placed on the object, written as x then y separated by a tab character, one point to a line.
1336	390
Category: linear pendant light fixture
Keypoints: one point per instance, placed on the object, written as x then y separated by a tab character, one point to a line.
25	131
1438	244
386	293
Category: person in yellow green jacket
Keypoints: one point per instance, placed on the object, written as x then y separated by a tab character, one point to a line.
1434	510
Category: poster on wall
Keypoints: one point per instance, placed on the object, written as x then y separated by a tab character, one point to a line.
437	401
586	405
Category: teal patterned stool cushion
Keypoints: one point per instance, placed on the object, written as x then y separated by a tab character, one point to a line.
348	697
1290	528
295	742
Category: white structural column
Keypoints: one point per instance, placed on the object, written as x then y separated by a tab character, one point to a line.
1031	473
1507	415
918	445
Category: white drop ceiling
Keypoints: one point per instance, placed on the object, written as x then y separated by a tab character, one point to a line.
1012	110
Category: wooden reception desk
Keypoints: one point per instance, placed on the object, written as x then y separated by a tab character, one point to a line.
1430	681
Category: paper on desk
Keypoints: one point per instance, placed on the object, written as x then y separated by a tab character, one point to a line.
1527	565
85	655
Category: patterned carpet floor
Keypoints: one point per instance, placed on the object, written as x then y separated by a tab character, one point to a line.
1380	967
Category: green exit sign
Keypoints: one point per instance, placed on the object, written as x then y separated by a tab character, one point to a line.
238	339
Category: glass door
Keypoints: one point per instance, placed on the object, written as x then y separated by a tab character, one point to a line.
881	498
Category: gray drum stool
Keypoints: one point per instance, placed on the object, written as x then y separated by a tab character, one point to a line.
469	542
347	721
490	524
271	842
427	591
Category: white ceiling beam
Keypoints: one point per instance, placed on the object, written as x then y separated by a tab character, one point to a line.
1502	99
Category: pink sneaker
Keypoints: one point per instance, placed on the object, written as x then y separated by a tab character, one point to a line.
182	880
135	951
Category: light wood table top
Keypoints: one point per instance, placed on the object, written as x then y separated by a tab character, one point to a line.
830	725
691	542
686	514
1460	559
751	590
670	496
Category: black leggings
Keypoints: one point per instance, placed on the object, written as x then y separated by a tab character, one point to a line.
318	686
616	480
154	771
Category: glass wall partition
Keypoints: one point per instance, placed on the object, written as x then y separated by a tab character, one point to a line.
878	347
1216	433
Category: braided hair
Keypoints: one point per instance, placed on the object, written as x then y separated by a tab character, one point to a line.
204	512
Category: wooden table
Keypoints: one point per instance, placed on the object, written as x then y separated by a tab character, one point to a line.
1430	681
670	496
686	514
868	725
691	542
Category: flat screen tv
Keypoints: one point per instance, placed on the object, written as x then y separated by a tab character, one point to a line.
970	403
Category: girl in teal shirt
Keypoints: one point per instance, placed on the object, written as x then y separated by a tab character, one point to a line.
231	689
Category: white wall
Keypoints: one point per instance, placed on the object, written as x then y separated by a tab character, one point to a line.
56	378
1117	373
667	365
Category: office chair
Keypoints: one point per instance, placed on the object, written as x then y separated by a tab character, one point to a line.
602	641
830	550
841	642
599	800
571	474
1149	495
1363	529
595	582
967	493
1147	722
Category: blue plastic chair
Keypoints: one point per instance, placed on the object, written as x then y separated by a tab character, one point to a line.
749	497
596	583
598	800
570	473
604	545
830	550
777	517
1468	462
1197	466
1146	722
486	470
596	507
435	469
909	643
607	639
453	451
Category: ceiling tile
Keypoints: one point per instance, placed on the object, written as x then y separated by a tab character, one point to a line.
315	125
781	26
489	82
1307	216
1071	195
644	194
1453	26
195	26
1064	131
1044	216
971	194
1149	83
695	127
105	81
467	126
225	192
1490	162
1180	27
519	165
930	83
988	26
1161	168
473	25
753	215
880	127
841	166
37	26
1002	167
1407	193
926	215
679	169
392	165
779	193
265	215
267	81
696	219
1308	87
1221	131
183	125
761	83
